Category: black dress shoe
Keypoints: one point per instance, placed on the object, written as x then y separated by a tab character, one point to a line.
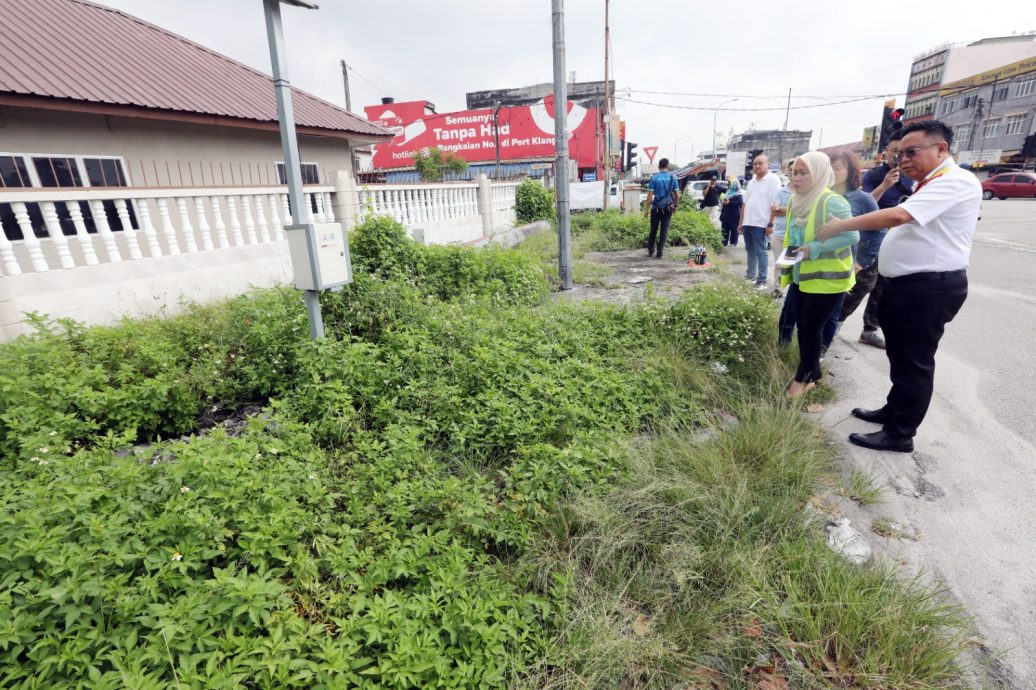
879	440
872	416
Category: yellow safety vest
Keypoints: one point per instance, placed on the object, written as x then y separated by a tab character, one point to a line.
829	272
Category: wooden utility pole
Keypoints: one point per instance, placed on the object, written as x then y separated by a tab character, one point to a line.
607	115
345	78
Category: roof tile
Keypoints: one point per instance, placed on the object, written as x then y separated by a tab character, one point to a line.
82	51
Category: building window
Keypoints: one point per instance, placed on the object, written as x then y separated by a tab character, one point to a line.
1015	123
961	135
970	99
991	129
105	172
310	173
1025	88
62	172
57	172
1000	93
13	172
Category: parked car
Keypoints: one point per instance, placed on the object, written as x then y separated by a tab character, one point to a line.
1009	185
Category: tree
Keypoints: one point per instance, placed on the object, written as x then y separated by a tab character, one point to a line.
434	164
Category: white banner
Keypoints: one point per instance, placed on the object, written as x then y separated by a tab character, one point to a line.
976	158
736	162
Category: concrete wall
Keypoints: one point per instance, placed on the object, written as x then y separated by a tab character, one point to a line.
166	154
160	285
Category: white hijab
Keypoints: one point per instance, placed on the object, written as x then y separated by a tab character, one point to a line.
819	166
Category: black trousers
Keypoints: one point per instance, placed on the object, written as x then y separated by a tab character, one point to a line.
868	282
659	220
914	311
812	311
730	236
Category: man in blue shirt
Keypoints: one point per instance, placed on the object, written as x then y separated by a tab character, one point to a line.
889	188
663	197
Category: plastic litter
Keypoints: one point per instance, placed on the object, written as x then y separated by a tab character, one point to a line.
845	540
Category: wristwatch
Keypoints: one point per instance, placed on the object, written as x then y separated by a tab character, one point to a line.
769	225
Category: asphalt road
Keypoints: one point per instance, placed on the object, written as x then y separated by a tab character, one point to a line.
996	330
969	489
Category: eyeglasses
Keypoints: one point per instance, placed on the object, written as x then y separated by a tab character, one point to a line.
913	150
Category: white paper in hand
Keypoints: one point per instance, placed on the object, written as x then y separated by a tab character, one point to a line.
787	259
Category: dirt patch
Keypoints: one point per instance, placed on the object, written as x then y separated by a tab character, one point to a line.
633	274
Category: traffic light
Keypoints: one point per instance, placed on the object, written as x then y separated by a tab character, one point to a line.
631	157
891	122
752	155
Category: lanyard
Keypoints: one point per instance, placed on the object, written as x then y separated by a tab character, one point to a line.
926	180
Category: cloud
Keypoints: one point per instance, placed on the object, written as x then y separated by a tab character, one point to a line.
412	49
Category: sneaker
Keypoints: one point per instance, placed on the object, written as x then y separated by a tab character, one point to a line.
872	338
750	280
762	287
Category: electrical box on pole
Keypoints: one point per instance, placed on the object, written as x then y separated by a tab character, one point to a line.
319	255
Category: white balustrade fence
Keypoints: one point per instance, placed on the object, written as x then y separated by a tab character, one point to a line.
419	205
49	229
67	228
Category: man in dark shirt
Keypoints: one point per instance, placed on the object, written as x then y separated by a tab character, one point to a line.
710	201
889	188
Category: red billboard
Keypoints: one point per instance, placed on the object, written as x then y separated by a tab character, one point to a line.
525	132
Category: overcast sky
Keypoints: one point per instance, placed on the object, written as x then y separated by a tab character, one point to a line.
438	51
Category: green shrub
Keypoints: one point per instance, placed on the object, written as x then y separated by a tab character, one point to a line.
503	275
692	228
719	324
380	246
534	202
613	229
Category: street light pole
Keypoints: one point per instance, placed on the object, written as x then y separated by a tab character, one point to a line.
675	158
289	141
714	114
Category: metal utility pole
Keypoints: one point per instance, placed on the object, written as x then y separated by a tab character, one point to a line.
289	141
607	114
784	134
345	78
561	147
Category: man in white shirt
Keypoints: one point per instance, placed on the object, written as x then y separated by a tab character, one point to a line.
755	225
923	258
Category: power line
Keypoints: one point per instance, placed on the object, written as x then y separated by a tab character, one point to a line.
724	95
358	74
794	107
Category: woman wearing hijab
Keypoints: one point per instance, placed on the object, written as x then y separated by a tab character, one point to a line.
825	273
730	214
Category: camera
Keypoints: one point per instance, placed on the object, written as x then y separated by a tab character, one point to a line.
895	161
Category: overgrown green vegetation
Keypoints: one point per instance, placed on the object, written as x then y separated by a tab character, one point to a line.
534	202
464	486
612	229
